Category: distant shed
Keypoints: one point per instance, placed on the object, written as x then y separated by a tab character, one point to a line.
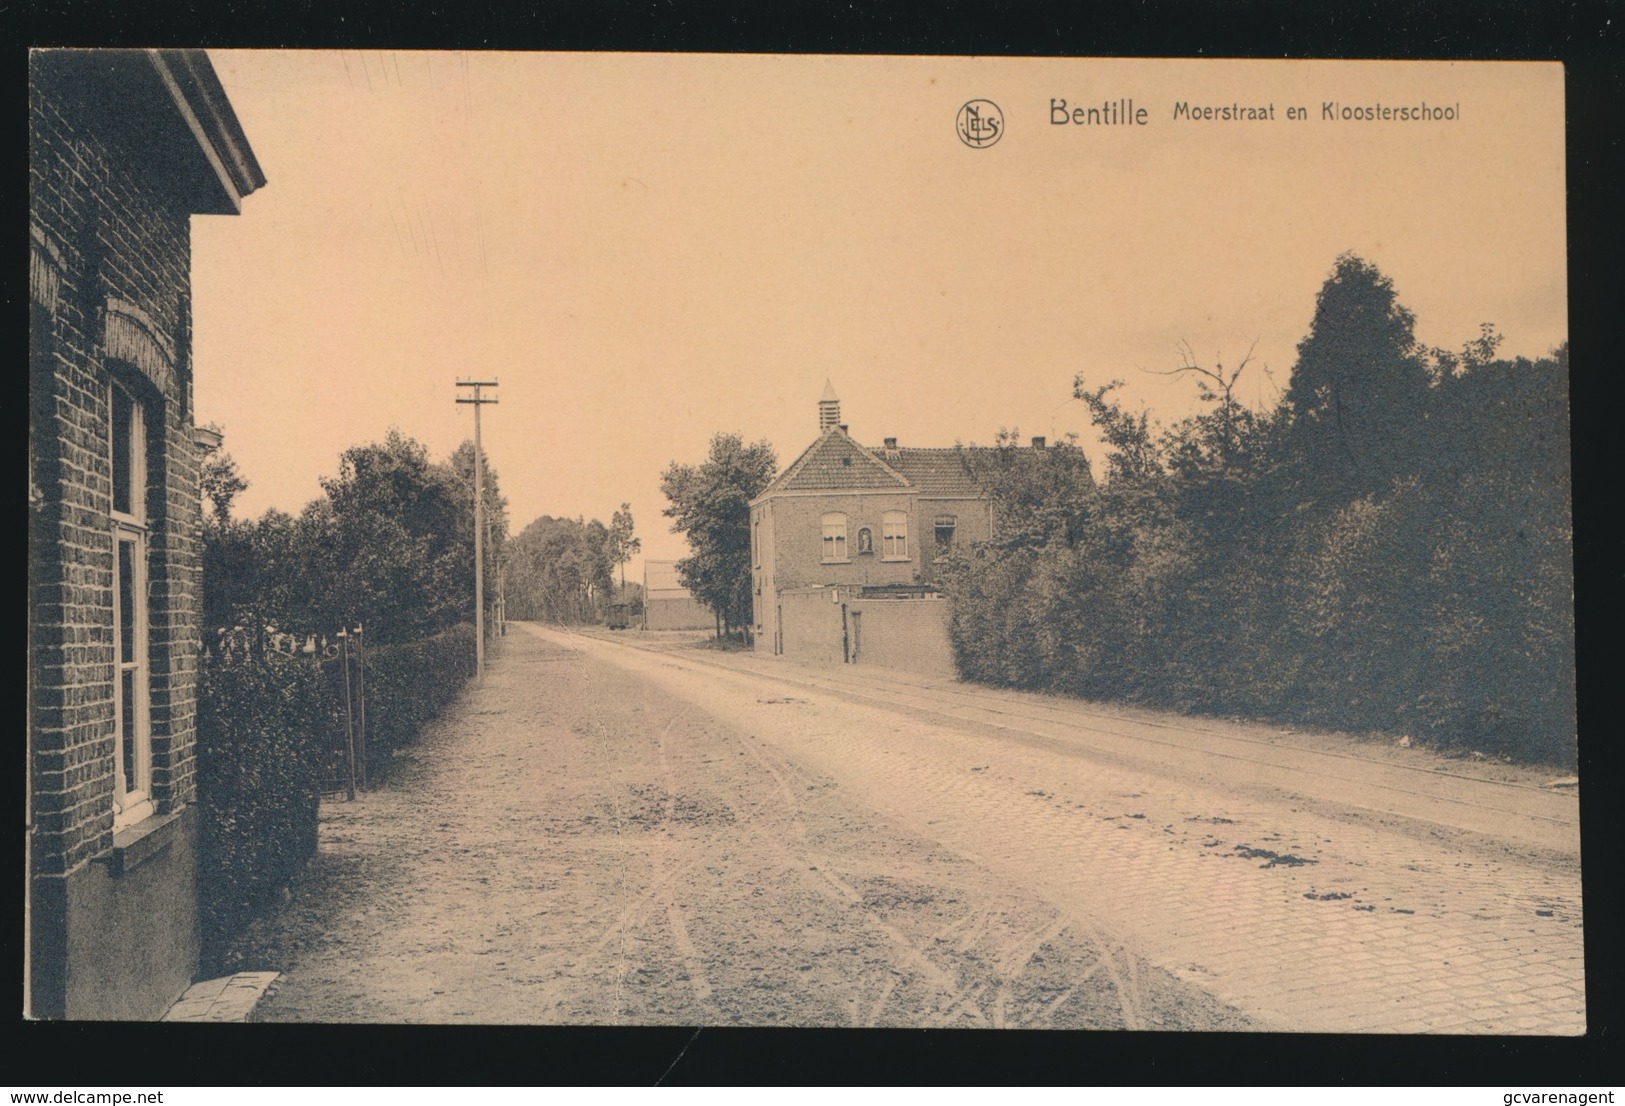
667	604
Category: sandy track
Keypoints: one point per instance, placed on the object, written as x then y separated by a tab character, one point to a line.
577	843
1315	885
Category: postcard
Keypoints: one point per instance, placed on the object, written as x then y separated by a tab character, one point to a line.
804	540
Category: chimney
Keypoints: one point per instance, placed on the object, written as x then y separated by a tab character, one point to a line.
891	449
891	443
1038	443
829	409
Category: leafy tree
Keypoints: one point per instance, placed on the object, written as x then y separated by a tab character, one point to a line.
1225	438
459	468
1038	495
559	570
1011	601
1134	455
1389	548
390	545
222	482
1501	618
622	545
710	505
241	561
1358	392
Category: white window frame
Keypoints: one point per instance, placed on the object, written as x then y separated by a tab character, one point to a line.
834	538
132	801
894	536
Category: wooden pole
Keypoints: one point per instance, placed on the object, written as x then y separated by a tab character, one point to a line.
479	520
361	700
349	715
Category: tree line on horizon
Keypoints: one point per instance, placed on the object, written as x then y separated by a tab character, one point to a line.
563	569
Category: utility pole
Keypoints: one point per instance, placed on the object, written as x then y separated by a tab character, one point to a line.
479	519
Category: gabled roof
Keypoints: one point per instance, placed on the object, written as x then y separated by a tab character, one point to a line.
934	471
834	462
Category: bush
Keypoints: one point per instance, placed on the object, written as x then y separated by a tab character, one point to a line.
1287	568
410	685
260	734
271	737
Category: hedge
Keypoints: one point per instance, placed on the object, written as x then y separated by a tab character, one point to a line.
260	738
270	731
409	686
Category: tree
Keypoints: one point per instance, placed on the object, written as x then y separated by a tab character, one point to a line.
388	544
710	505
1038	495
237	558
1224	438
1134	455
1358	393
459	470
559	570
622	545
222	482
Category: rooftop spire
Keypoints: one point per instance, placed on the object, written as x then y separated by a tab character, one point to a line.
829	408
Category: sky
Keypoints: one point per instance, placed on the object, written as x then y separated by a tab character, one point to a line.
647	249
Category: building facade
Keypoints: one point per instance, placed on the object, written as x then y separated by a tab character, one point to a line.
125	146
848	545
667	604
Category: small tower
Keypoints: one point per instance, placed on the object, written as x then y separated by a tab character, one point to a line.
829	408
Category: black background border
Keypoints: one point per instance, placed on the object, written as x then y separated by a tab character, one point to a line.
1586	37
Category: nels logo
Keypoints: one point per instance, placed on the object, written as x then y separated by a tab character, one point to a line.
980	123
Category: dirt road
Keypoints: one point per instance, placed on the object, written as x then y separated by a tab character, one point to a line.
603	834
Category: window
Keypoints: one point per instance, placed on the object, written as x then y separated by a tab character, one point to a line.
756	542
132	751
866	540
834	537
894	536
945	535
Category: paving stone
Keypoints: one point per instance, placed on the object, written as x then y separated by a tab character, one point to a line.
227	999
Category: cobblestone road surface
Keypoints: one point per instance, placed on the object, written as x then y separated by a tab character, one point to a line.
609	833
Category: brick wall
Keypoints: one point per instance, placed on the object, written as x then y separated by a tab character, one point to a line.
679	613
797	539
109	269
910	634
811	626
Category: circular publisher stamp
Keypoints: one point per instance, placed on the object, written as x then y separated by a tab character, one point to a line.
980	123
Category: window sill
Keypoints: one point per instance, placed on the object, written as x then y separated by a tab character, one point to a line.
134	845
846	562
896	560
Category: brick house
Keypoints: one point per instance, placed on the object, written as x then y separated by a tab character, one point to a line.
125	146
847	546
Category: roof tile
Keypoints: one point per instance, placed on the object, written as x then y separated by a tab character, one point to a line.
836	463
